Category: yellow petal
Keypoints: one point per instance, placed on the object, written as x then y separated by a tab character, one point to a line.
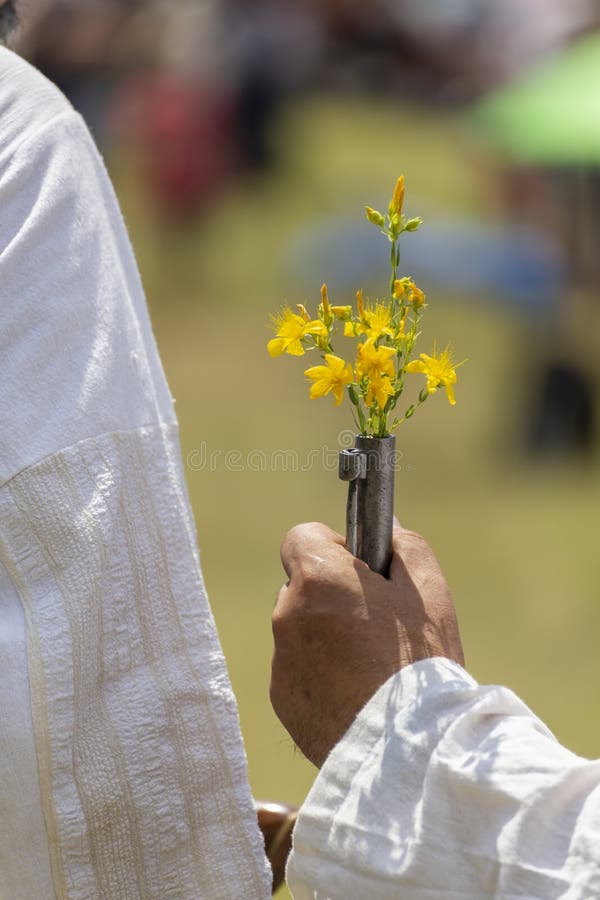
295	348
276	347
417	365
450	394
315	327
319	389
338	393
335	363
316	371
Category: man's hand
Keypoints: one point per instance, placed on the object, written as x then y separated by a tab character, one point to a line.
341	630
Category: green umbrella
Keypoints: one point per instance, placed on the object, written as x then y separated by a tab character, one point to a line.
551	115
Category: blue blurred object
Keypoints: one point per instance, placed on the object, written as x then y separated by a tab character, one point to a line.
515	264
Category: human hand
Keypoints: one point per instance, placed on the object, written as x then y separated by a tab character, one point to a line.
342	630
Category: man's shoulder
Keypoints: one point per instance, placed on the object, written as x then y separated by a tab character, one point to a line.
28	102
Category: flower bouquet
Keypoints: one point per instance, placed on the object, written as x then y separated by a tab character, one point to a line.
384	333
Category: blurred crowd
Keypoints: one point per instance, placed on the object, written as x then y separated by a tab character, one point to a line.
198	84
196	88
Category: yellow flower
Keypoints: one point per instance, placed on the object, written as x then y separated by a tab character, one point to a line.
332	377
406	289
395	207
374	360
440	371
379	388
291	328
401	287
379	321
375	322
418	298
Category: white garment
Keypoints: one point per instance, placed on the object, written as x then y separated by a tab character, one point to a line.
122	771
445	789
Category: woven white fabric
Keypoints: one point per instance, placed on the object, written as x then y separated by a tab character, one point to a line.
443	788
122	771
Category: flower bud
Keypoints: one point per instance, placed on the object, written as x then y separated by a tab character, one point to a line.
413	224
375	217
395	207
395	224
399	288
342	312
325	309
359	303
418	298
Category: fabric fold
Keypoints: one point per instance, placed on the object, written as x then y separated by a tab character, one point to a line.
446	788
136	728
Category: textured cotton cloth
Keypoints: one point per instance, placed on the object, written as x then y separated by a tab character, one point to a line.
443	788
122	771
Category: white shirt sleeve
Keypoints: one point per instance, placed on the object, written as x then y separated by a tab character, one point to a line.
122	770
445	789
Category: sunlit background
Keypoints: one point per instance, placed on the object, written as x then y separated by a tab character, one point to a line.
244	138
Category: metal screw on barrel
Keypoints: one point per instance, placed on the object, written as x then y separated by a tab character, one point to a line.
369	470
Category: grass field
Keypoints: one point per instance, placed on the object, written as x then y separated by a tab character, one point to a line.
518	542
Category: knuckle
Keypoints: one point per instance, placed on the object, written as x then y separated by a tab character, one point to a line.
412	546
310	586
279	621
295	535
415	539
304	533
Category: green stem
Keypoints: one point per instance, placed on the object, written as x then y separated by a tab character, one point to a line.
382	430
355	401
395	262
362	420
